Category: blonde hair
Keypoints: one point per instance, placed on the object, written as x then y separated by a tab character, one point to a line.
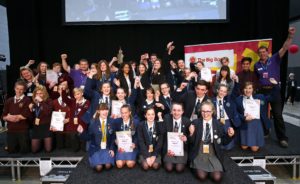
79	90
43	90
23	68
209	103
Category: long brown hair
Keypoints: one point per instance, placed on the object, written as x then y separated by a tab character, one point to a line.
101	107
99	73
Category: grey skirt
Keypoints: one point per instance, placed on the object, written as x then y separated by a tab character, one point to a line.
176	160
208	162
157	160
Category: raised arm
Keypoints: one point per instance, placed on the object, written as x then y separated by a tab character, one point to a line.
65	65
288	41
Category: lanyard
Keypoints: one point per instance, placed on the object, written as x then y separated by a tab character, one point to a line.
265	66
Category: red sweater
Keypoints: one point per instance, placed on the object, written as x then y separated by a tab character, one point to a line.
18	108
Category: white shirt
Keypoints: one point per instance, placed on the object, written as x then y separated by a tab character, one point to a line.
103	99
178	123
204	129
246	98
126	123
194	115
19	99
218	109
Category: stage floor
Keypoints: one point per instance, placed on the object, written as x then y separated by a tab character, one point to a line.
84	174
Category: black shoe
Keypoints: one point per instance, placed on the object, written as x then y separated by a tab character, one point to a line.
284	143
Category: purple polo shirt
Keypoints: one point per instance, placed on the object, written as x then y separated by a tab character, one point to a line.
269	70
78	77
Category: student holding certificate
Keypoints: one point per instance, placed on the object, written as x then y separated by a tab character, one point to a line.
102	139
78	106
41	109
206	137
126	125
252	111
178	124
150	140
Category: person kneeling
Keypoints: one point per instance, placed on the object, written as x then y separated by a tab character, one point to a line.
150	141
206	137
102	137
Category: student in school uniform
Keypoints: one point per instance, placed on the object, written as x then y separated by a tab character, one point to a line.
96	97
17	115
205	139
175	122
60	105
42	109
148	102
102	139
226	111
251	130
127	123
103	74
77	107
150	140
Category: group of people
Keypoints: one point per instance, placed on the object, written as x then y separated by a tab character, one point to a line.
157	96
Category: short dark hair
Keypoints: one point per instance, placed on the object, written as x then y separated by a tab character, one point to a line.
246	59
21	83
202	83
262	47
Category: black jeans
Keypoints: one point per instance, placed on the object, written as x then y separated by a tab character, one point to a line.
18	142
276	105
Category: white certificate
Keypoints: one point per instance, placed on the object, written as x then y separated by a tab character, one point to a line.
124	140
206	75
51	76
116	107
57	120
252	107
175	144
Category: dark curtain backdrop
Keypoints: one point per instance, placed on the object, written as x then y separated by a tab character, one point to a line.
37	32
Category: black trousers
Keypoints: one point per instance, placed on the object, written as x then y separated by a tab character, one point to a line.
18	142
291	93
67	140
276	105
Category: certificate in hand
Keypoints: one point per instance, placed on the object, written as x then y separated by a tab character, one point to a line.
124	140
252	107
51	76
57	120
206	74
116	107
175	144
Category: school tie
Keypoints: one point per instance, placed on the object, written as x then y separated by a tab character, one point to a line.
103	130
175	129
207	137
126	127
151	133
106	100
221	109
197	108
168	100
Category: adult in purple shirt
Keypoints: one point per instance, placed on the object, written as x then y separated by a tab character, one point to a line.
78	76
267	68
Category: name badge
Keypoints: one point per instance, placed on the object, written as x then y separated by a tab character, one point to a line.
29	94
82	86
206	148
150	150
103	145
222	121
265	75
75	121
37	121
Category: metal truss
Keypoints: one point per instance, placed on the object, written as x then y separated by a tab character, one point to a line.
18	163
293	161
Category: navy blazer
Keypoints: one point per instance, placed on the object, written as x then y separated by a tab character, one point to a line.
119	126
95	99
263	109
167	125
94	135
189	100
230	109
219	137
144	140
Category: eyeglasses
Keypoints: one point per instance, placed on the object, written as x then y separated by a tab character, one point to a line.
206	112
